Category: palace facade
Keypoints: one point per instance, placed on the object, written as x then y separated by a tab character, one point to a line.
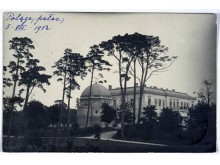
159	97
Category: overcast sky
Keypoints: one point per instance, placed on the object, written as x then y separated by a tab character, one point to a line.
191	37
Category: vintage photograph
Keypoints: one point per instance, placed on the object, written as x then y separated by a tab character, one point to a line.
109	82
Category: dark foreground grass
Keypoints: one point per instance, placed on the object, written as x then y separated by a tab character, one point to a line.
113	146
91	145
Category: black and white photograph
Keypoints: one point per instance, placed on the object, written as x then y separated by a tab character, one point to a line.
109	82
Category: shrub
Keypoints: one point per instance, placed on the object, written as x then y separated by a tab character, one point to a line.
169	124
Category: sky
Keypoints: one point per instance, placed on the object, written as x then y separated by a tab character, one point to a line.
190	37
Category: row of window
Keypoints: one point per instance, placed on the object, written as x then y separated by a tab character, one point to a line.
159	102
176	104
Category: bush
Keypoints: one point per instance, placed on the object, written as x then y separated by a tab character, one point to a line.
149	123
74	130
202	124
108	114
169	124
118	133
89	129
132	131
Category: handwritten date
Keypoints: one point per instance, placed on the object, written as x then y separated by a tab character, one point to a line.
22	22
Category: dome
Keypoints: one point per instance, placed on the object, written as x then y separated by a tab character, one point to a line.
97	91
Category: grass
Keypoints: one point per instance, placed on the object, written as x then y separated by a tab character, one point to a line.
91	145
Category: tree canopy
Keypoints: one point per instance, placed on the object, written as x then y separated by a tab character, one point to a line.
205	93
94	62
151	57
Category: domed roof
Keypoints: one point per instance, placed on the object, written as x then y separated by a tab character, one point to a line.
97	91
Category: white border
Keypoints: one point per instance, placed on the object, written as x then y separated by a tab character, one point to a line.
185	6
113	5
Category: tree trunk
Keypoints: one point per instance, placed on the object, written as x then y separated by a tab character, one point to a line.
25	117
69	111
26	100
123	99
123	108
142	85
62	108
122	117
12	110
15	81
134	101
140	101
208	96
63	97
89	101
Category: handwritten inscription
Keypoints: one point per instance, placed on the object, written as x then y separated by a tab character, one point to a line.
19	22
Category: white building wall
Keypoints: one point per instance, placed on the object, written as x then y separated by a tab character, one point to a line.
179	102
157	100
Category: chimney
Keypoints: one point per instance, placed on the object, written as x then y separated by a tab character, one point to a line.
173	90
110	87
136	84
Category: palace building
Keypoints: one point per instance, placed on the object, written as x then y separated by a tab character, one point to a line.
159	97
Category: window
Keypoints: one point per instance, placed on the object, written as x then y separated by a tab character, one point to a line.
170	103
155	102
114	102
174	104
96	101
184	104
149	101
187	104
132	102
84	102
163	103
159	102
177	104
181	104
108	102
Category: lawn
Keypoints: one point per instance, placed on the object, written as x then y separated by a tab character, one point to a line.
91	145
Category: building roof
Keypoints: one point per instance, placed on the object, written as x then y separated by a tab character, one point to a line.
154	90
98	91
